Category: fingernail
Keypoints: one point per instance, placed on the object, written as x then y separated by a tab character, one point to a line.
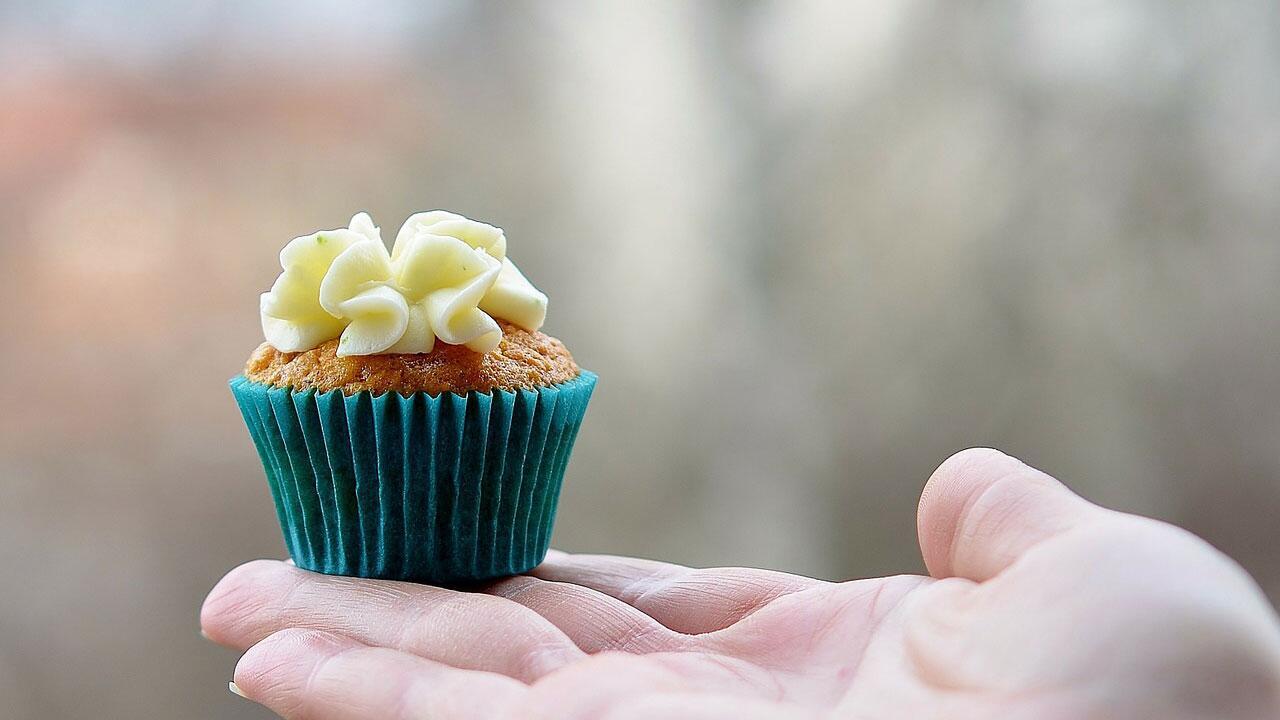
235	689
205	635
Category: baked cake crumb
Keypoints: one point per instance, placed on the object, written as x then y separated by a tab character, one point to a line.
523	359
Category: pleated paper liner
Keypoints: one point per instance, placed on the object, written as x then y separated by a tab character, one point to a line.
449	489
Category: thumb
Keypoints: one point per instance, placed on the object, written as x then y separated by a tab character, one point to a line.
982	509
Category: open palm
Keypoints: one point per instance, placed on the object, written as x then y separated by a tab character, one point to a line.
1039	605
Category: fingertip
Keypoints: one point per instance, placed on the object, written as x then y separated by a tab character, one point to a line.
276	669
239	594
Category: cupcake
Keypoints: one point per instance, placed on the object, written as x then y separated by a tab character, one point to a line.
413	422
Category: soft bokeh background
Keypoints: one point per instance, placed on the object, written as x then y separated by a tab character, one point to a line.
811	248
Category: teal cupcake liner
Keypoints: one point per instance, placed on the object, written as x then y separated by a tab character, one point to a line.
450	489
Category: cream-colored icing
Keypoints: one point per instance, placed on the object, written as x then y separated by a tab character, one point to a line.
447	277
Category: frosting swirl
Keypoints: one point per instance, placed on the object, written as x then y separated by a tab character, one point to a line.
446	277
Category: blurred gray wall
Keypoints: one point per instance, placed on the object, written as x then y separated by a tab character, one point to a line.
811	248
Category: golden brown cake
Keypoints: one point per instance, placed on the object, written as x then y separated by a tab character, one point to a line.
522	359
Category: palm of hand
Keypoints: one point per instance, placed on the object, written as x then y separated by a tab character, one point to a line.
1040	606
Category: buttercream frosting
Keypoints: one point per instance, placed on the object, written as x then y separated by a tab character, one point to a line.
446	277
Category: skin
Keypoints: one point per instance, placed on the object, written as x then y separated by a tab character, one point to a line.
1038	604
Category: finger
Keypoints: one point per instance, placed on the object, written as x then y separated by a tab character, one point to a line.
323	676
982	509
466	630
593	620
684	599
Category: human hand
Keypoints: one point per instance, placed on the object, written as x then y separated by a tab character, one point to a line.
1039	605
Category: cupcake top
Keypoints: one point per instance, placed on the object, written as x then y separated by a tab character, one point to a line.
522	359
444	310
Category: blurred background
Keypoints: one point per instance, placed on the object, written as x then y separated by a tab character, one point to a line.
811	248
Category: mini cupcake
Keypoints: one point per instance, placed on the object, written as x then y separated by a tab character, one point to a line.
412	421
